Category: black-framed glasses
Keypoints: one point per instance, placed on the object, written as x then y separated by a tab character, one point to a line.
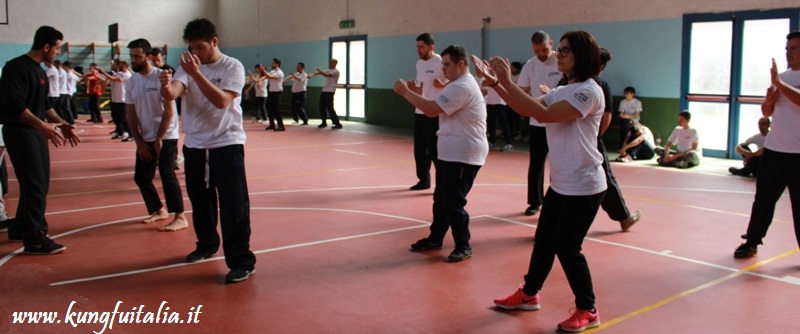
563	51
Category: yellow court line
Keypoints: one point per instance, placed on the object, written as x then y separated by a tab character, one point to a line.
691	291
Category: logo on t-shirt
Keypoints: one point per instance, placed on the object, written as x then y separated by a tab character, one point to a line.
429	71
216	81
581	97
551	74
443	99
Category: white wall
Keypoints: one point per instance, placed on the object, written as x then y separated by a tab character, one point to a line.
86	21
259	22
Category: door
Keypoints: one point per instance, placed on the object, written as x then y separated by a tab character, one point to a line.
350	97
726	61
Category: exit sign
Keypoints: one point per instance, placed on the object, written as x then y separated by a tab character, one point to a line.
346	24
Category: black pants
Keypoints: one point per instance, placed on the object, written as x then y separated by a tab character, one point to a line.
326	108
30	157
260	108
226	185
497	112
538	151
425	151
65	105
563	223
613	203
94	108
753	164
624	127
274	109
453	183
643	151
120	118
777	172
299	107
145	171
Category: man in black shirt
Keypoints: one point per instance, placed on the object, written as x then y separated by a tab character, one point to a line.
29	123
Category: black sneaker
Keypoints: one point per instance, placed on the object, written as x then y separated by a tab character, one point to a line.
238	275
4	226
198	255
280	128
420	186
271	127
323	125
425	244
45	246
744	251
460	254
531	210
336	127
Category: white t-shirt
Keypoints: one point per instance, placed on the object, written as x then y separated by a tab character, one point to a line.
299	84
575	163
205	125
757	139
276	85
72	81
535	73
144	93
427	71
53	89
62	82
118	87
648	136
261	88
630	107
684	138
462	127
783	135
330	82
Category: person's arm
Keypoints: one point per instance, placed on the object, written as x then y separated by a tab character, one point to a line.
142	149
170	89
791	93
439	83
109	77
163	127
500	75
630	143
413	94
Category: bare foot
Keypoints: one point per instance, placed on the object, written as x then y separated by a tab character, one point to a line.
177	224
159	215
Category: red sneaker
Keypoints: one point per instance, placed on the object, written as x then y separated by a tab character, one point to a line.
580	321
518	301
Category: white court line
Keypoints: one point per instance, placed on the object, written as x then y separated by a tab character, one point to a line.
90	160
666	254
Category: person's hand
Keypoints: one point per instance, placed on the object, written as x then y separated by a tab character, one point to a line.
544	89
773	73
502	70
484	69
669	157
166	78
69	135
144	151
190	63
414	86
401	87
157	147
747	159
51	133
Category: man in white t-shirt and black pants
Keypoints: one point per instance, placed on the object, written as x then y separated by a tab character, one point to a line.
429	75
118	79
211	84
538	73
64	98
275	88
752	159
780	162
687	140
326	97
154	125
299	80
462	149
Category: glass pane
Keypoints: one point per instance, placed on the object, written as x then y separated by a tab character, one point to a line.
340	102
358	63
339	52
356	103
710	58
749	114
763	40
711	121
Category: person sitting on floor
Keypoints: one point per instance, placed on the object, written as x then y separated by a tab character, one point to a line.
687	141
752	160
638	145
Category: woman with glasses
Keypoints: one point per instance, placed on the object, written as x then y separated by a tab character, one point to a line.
571	115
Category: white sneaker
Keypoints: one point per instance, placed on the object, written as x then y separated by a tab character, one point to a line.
124	136
507	147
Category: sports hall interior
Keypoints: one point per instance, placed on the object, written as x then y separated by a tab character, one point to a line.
331	212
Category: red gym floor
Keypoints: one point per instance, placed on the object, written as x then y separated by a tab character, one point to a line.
332	222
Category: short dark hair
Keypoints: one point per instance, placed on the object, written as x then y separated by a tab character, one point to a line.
587	55
426	38
516	65
57	62
154	51
629	89
793	34
456	52
605	56
685	114
199	29
67	63
124	63
276	61
143	44
302	65
540	37
46	35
